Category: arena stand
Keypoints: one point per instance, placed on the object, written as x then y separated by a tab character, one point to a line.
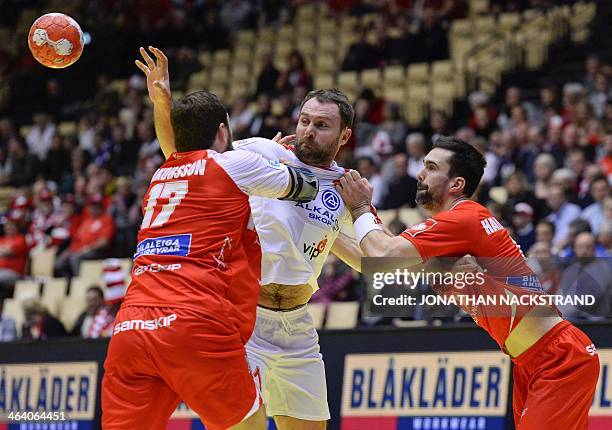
528	81
69	136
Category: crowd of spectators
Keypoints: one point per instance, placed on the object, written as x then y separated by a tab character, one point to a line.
81	192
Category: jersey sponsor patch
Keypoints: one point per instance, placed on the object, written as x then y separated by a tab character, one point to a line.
178	245
421	227
155	268
314	242
331	200
321	215
154	324
274	164
314	250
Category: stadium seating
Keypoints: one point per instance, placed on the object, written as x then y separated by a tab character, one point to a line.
342	315
71	308
53	294
25	289
482	48
41	262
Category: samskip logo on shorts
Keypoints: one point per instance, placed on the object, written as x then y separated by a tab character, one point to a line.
179	245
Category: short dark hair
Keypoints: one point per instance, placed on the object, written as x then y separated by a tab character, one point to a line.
549	224
580	226
333	95
599	177
466	162
195	120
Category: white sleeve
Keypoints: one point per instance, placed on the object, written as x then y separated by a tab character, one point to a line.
264	147
254	174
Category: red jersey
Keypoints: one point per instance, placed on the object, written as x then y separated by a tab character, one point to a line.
19	253
196	248
91	230
469	228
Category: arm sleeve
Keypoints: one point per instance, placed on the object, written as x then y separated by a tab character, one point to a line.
254	174
448	234
265	147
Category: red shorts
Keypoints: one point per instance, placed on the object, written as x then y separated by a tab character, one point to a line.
554	381
159	356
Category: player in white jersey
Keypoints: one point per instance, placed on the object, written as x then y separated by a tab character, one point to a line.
295	239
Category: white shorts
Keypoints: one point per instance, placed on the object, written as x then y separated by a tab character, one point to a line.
284	352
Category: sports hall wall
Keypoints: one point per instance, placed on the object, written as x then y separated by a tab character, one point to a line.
418	379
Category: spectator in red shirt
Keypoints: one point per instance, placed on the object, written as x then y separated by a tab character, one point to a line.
91	240
13	254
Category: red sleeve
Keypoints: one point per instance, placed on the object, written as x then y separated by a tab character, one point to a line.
450	233
19	247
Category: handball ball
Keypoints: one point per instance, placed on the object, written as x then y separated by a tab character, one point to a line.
56	40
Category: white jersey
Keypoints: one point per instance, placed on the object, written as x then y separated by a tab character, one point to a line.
296	237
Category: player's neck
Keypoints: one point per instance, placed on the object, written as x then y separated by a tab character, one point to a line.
448	204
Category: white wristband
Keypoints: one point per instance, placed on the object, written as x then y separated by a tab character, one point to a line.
365	224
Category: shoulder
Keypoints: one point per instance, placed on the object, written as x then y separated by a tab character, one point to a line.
466	211
266	147
241	161
464	217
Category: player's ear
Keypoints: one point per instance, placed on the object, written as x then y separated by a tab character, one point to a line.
457	185
221	138
346	135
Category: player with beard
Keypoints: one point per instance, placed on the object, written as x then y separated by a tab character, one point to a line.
555	363
191	304
295	239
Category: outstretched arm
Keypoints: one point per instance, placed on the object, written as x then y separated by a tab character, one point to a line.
347	250
158	85
373	240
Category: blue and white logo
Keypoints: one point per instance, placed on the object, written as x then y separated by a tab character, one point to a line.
330	200
274	164
167	245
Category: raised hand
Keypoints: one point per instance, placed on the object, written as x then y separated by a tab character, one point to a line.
287	140
158	79
356	193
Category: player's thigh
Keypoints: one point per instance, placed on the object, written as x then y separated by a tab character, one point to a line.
260	360
211	374
130	409
257	421
290	423
222	392
519	392
136	402
572	386
297	388
133	394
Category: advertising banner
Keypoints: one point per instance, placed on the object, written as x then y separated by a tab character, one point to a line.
418	391
48	396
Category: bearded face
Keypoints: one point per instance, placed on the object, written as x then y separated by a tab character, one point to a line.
319	133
